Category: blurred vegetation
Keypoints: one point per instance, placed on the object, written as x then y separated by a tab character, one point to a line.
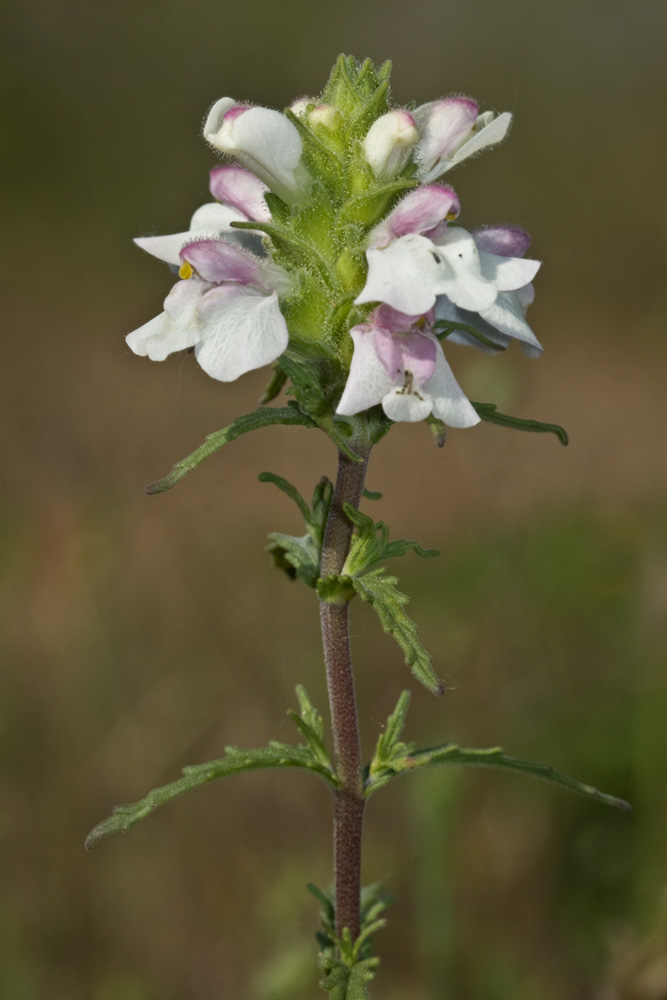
139	634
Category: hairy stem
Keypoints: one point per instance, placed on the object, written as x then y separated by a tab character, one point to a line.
349	799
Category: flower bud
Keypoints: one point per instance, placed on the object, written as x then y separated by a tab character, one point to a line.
263	140
388	143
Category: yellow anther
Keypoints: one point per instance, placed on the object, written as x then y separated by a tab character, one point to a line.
185	270
451	216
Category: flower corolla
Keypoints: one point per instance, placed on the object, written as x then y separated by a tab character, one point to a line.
414	257
263	140
451	131
505	319
398	362
225	306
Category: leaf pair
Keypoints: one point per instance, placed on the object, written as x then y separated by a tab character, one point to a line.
362	575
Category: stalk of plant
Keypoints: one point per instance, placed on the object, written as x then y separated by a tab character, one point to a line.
332	250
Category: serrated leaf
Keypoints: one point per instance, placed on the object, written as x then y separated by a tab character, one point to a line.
309	713
387	601
451	753
389	747
124	817
265	416
289	490
299	557
489	413
370	544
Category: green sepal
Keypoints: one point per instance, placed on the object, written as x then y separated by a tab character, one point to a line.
265	416
367	208
311	757
319	158
387	601
450	753
351	83
320	409
488	412
371	544
280	210
300	556
274	386
291	250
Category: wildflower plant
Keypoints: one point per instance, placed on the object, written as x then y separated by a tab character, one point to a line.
333	251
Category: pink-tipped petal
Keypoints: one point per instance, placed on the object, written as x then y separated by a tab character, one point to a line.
236	186
216	260
388	142
444	126
507	241
421	210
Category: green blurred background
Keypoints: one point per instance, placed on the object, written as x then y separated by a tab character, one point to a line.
139	634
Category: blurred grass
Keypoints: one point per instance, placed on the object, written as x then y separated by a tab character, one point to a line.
139	634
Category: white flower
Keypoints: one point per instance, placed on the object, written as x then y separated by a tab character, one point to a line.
263	140
226	307
398	362
239	198
413	258
451	131
505	318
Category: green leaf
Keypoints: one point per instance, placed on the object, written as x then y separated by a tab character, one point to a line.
310	725
289	490
370	545
387	601
390	751
262	417
372	494
450	753
297	556
488	412
300	556
236	760
444	327
344	983
276	383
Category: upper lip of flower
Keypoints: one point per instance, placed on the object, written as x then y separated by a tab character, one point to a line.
263	140
452	130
